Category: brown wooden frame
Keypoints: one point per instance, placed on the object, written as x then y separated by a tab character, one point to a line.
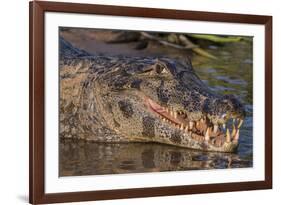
37	95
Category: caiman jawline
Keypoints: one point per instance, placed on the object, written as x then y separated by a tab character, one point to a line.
202	130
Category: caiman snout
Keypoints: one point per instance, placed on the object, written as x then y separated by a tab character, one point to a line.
220	110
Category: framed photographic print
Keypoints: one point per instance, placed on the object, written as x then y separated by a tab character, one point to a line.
139	102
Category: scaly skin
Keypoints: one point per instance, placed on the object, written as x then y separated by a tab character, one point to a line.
136	99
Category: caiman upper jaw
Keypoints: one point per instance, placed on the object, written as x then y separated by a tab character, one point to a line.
201	130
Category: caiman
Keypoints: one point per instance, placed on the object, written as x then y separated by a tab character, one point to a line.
143	99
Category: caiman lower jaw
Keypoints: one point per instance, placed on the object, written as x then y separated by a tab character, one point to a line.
202	130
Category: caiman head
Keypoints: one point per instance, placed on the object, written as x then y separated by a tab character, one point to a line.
163	100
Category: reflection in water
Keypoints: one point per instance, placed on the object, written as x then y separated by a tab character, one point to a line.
87	158
231	73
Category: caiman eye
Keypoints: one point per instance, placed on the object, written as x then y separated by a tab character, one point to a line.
160	69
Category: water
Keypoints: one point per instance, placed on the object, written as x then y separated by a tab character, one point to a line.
230	74
86	158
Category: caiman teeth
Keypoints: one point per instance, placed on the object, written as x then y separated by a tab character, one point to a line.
215	129
233	130
240	123
207	135
236	137
191	125
201	129
228	138
181	127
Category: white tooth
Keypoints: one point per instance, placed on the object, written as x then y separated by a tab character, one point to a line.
171	112
191	125
186	128
223	125
207	135
236	137
240	123
215	128
228	138
182	127
233	131
164	119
